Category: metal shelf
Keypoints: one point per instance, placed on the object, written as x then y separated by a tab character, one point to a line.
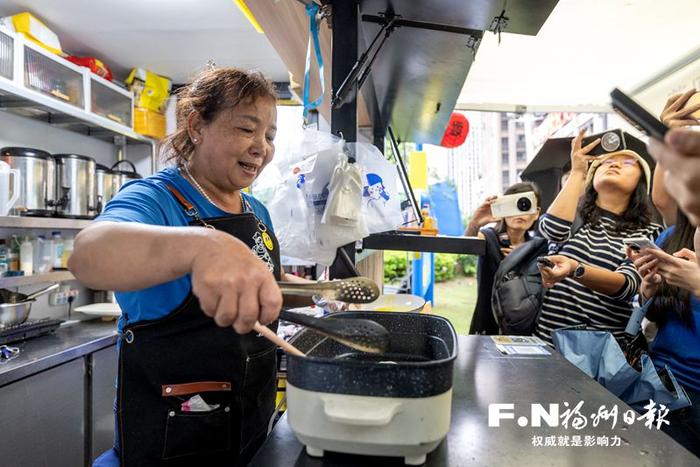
422	243
56	276
28	103
50	223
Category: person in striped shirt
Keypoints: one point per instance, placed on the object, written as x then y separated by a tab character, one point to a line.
592	282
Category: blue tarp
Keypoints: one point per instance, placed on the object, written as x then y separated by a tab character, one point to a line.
444	206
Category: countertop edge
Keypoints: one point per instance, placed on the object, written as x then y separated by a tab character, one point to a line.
57	358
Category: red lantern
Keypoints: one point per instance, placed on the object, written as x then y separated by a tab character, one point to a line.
456	132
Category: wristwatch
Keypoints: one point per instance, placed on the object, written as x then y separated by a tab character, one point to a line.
579	271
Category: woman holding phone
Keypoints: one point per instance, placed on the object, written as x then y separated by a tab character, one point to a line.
592	281
507	234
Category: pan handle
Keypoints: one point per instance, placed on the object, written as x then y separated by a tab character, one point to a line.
33	295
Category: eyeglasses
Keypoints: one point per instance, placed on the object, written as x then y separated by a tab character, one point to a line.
622	162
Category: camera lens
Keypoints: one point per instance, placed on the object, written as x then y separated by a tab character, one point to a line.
524	204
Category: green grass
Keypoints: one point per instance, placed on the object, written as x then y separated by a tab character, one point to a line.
455	300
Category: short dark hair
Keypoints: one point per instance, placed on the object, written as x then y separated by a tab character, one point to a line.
209	93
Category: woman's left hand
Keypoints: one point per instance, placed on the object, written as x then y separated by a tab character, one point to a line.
679	269
563	268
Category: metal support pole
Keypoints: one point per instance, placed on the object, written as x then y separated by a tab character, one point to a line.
345	31
120	143
344	119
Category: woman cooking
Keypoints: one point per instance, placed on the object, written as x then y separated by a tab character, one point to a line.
182	247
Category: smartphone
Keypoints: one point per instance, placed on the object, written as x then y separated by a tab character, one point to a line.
639	117
544	261
517	204
504	240
640	243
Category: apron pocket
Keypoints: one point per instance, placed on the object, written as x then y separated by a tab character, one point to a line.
188	433
258	395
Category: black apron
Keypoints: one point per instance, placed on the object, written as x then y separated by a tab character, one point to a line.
164	362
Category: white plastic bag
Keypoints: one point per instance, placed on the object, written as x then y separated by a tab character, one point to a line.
380	193
343	221
298	204
344	206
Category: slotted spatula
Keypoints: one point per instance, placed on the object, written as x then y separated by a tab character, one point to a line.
353	290
360	334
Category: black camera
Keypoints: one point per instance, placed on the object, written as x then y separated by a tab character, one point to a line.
610	141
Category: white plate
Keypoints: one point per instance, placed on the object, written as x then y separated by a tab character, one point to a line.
101	309
394	302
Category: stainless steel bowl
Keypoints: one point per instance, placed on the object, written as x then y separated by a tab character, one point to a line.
15	307
14	313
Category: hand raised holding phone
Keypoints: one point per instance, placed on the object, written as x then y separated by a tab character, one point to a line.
579	154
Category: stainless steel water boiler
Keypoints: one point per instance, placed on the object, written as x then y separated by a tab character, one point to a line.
105	184
37	180
77	195
123	176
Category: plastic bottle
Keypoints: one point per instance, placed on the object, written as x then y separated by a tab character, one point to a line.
428	221
44	255
4	258
67	251
14	253
37	252
26	257
57	253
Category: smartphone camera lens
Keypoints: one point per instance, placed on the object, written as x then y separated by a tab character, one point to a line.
524	204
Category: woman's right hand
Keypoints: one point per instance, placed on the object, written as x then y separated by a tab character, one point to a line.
233	285
481	216
579	155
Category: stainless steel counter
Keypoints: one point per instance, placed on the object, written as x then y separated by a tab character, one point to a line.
484	376
69	342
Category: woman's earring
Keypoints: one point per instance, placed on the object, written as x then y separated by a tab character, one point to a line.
195	140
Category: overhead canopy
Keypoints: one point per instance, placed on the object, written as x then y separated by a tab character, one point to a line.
583	50
418	74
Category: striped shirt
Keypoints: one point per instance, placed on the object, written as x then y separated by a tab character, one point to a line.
570	303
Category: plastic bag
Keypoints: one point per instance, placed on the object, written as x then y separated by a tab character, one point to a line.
344	205
380	194
343	220
598	354
297	206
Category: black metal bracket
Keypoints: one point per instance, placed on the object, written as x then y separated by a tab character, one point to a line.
403	176
362	67
499	24
399	22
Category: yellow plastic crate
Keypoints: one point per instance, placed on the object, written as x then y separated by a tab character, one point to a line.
149	123
36	31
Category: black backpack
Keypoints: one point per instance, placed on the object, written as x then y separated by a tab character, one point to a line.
517	292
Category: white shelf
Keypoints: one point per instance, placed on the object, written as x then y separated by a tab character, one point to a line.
28	103
56	276
49	223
